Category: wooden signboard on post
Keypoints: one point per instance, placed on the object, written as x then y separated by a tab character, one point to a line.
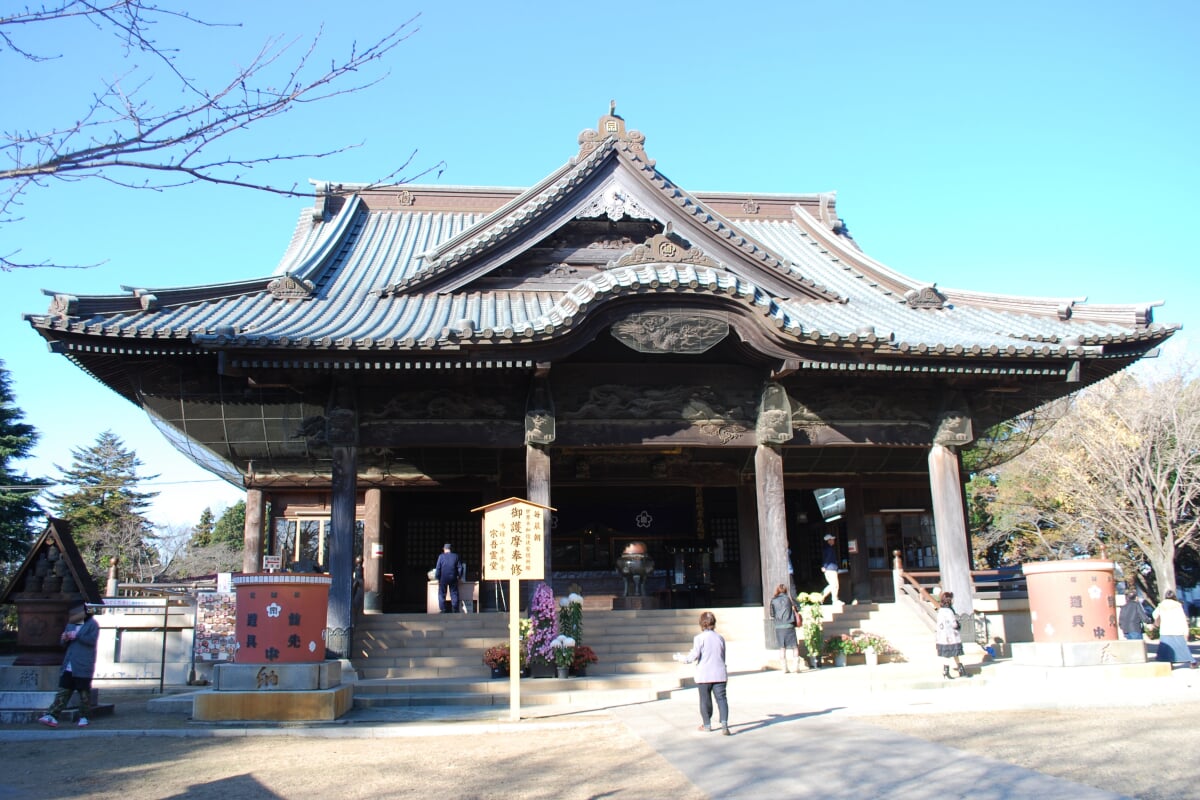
514	533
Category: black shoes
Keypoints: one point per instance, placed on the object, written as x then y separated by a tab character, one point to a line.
946	672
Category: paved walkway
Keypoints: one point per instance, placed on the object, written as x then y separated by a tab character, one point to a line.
797	735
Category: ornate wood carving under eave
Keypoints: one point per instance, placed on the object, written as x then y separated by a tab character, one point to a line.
287	287
670	331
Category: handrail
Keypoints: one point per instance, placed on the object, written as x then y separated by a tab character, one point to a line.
901	578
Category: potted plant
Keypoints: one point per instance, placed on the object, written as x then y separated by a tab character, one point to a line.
570	616
497	657
564	654
838	647
543	627
810	625
584	655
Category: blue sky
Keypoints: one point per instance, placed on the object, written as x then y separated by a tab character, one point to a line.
1023	147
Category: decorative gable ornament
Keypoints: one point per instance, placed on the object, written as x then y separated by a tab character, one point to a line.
615	203
289	287
925	297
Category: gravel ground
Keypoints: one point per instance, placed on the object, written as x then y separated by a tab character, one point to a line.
578	763
1147	752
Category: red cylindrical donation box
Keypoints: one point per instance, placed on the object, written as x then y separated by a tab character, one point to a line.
281	617
1072	601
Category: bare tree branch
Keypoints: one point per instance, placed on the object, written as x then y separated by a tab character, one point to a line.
125	139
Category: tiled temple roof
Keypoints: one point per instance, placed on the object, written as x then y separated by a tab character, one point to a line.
405	271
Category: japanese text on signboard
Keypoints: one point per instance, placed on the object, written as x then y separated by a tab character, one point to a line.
513	542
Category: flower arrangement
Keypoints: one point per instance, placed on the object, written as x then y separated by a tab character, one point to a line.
810	621
570	616
564	651
857	641
497	657
543	626
584	655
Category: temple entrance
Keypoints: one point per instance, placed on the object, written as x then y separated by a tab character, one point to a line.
691	533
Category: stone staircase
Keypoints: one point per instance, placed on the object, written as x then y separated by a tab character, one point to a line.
436	660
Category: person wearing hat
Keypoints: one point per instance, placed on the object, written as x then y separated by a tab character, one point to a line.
829	566
446	571
80	637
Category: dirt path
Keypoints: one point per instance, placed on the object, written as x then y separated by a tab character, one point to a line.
602	761
1148	752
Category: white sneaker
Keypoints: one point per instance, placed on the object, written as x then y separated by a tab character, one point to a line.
83	722
48	721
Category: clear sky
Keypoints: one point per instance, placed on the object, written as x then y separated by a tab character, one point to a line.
1044	148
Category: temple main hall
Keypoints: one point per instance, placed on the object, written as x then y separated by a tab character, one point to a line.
724	378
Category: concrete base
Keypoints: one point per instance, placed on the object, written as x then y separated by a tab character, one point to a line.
1079	654
281	678
273	706
28	678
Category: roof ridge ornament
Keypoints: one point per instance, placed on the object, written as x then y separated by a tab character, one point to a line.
610	126
666	247
289	287
925	297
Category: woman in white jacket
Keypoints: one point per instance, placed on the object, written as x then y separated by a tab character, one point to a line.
949	639
1172	625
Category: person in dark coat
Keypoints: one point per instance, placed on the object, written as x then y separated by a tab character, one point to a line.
79	664
1133	617
784	615
446	571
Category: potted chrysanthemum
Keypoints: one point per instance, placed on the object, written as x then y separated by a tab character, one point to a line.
564	654
497	657
543	627
811	625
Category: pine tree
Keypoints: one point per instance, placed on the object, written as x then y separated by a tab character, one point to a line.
230	529
19	511
105	508
202	534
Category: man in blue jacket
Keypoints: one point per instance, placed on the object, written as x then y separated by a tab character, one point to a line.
829	566
446	570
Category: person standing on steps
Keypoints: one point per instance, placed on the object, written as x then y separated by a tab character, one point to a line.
829	566
446	571
79	664
708	653
784	614
949	637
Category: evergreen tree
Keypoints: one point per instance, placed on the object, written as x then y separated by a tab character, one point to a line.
105	508
19	511
202	535
230	529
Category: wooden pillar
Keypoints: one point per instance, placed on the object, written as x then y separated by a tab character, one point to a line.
340	619
856	530
373	552
751	562
950	524
252	532
772	518
537	490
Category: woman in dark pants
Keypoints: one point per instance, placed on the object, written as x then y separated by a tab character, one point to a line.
708	653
